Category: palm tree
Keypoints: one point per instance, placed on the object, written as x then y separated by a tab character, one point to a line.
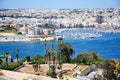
60	50
44	42
16	53
47	53
1	61
48	56
6	57
54	54
65	50
52	42
46	48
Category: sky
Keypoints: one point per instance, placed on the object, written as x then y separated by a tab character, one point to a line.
59	4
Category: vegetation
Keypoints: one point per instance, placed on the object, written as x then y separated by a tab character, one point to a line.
37	60
16	53
6	57
10	66
51	58
7	29
66	51
52	73
88	58
1	61
63	55
110	71
27	58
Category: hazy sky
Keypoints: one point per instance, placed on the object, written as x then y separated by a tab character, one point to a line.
58	4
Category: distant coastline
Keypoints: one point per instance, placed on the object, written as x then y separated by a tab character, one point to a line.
16	38
11	37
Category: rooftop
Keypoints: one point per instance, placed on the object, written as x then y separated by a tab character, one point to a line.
2	56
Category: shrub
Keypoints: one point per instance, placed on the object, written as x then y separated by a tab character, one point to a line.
1	61
27	58
60	75
88	58
19	33
1	74
10	66
52	72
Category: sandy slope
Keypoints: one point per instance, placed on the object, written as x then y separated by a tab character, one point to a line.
7	34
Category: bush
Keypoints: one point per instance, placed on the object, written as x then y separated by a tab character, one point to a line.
109	69
1	61
109	64
19	33
27	58
1	74
52	72
88	58
10	66
38	59
3	66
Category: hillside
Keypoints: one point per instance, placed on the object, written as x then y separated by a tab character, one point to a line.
8	30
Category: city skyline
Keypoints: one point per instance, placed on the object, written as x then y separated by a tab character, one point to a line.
59	4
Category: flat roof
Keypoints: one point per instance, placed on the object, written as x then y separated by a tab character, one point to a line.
2	56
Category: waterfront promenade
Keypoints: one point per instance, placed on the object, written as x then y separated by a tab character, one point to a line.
28	38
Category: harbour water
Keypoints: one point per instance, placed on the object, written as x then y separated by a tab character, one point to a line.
108	46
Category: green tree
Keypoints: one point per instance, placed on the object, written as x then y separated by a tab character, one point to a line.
48	56
65	50
54	56
53	52
109	64
52	73
45	44
6	57
109	67
35	67
37	60
89	58
85	58
52	42
27	58
1	61
51	57
16	53
60	53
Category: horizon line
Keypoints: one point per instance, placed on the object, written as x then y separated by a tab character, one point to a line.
59	8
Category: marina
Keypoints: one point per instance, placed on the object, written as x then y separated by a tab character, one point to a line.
59	40
28	38
106	45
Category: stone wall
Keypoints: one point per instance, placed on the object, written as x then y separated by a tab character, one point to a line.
22	76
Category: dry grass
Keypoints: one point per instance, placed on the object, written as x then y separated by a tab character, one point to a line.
1	74
36	79
25	79
32	79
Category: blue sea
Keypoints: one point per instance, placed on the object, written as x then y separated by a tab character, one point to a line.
108	46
